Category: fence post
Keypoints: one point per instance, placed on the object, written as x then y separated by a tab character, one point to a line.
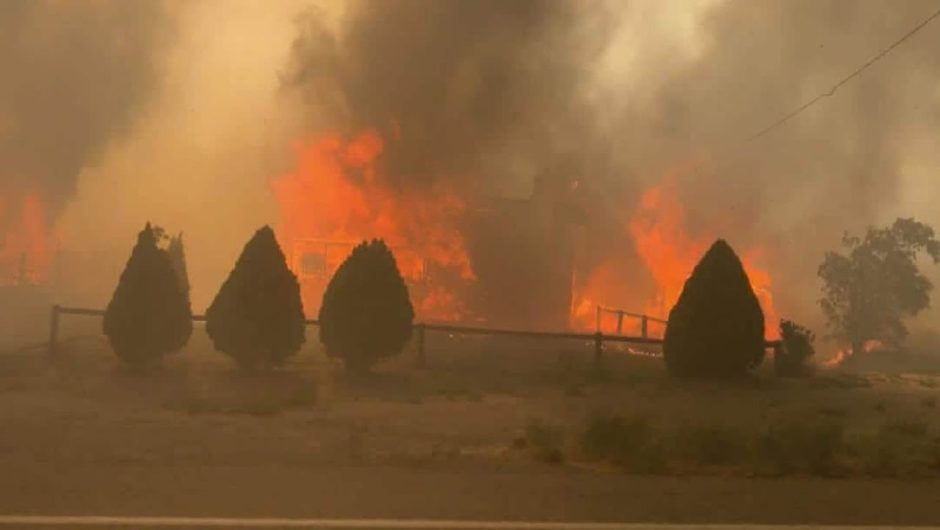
598	348
54	330
421	359
597	325
620	322
644	326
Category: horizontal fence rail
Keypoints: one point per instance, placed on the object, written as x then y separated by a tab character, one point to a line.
597	338
621	314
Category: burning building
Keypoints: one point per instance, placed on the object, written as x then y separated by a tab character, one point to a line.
466	258
524	255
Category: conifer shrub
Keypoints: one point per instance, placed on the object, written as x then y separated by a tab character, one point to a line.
148	316
716	328
366	314
257	317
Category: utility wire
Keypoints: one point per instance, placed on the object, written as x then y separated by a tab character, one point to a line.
792	114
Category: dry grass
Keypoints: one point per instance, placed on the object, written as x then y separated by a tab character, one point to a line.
469	404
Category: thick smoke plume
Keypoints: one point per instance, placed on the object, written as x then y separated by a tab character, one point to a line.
618	95
74	75
468	87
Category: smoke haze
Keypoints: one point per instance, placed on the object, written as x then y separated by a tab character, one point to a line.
74	77
181	113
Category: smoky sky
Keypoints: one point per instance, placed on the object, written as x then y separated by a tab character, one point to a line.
837	166
470	81
763	58
464	83
479	87
75	76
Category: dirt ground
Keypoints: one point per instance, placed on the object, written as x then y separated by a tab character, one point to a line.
81	434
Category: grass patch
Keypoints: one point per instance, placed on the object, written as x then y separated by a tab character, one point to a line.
810	448
907	427
846	381
711	445
545	442
628	443
832	412
260	396
899	449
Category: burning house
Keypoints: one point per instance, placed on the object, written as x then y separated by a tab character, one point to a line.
524	255
514	264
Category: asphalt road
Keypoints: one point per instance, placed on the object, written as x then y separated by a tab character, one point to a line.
474	494
30	522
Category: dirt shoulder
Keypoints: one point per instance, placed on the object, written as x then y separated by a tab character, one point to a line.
82	436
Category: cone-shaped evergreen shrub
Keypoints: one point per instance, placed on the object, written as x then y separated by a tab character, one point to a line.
716	329
366	314
177	254
148	316
257	318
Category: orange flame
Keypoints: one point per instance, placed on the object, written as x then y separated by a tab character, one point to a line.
658	229
25	248
843	354
338	195
670	253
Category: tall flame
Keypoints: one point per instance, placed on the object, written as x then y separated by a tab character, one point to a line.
25	247
670	253
339	195
658	229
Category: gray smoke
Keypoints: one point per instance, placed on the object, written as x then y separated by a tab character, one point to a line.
481	89
465	83
75	75
835	167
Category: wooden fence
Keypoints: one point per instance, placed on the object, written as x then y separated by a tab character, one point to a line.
597	339
621	314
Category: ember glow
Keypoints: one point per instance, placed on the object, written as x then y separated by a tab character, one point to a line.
25	240
844	353
339	195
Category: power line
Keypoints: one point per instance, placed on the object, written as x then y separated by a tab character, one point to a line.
845	80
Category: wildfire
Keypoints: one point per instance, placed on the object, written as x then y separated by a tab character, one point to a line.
661	239
25	249
670	253
339	195
843	354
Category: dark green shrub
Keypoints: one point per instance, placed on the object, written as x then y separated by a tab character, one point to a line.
802	447
905	427
628	443
712	445
257	317
716	328
898	449
545	441
148	315
366	314
790	359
